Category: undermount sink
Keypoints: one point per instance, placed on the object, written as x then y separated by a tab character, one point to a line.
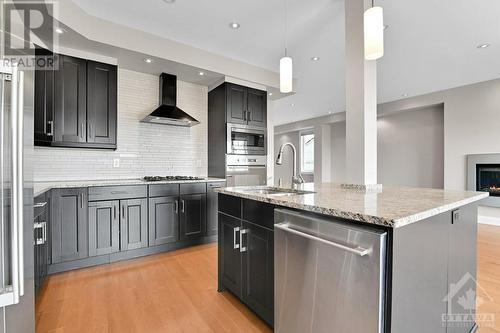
276	191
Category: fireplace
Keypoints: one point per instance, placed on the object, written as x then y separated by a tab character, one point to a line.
483	174
488	178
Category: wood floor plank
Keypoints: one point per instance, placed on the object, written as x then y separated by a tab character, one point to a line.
177	292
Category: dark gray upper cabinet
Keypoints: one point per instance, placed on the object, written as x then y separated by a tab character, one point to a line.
101	103
163	220
69	224
212	207
257	250
70	86
76	104
44	102
134	224
104	230
245	105
236	104
193	221
257	108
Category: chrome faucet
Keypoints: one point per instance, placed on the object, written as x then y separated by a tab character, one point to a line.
296	177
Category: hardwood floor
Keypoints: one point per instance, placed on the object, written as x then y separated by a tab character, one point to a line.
176	292
170	292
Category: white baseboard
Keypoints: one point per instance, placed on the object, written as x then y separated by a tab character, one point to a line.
488	220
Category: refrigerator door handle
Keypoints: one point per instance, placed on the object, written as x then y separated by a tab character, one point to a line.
20	177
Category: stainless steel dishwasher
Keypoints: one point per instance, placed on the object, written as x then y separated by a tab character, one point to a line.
329	275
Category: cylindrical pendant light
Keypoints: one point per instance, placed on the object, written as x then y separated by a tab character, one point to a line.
374	33
286	65
286	74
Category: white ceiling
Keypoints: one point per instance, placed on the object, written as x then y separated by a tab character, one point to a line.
430	44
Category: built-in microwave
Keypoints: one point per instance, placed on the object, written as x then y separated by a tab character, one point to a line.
246	140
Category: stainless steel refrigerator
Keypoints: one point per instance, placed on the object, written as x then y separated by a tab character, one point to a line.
17	304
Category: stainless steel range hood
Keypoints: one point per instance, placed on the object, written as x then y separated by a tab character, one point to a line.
167	113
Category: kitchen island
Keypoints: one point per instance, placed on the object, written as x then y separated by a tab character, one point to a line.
325	257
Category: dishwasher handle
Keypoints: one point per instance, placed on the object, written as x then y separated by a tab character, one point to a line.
360	251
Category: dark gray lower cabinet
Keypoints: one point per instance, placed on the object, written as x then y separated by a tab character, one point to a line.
257	251
163	220
69	224
104	226
246	253
41	240
212	207
133	224
193	222
229	254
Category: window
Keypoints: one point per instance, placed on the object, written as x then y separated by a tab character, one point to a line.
306	152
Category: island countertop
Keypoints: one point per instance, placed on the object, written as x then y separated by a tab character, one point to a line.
391	206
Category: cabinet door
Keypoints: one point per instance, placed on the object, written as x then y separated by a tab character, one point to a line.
134	224
193	216
70	107
462	266
103	227
44	102
236	104
101	103
257	107
257	256
69	224
229	254
212	207
163	220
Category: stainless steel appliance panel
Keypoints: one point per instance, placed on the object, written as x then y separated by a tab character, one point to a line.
246	170
246	140
329	275
16	227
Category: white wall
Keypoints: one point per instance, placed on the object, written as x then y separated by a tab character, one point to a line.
410	149
143	149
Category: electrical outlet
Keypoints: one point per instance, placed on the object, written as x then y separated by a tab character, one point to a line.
116	163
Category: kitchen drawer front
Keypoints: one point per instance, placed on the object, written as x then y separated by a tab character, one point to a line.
163	190
259	213
117	192
193	188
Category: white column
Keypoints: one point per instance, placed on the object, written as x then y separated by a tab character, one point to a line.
322	154
361	100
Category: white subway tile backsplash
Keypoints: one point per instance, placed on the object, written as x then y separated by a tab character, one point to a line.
143	149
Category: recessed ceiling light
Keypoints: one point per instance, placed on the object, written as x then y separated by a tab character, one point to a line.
292	105
270	94
59	30
386	26
404	95
315	58
169	1
201	73
148	60
330	112
483	46
234	25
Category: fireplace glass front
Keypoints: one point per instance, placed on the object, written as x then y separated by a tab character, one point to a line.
488	178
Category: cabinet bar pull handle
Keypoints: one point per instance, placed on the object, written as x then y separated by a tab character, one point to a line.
81	200
114	212
123	211
183	205
356	250
235	245
176	206
40	204
242	248
51	124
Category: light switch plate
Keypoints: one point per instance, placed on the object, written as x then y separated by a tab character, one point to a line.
116	163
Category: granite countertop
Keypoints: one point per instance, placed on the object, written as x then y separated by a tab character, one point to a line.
39	187
391	206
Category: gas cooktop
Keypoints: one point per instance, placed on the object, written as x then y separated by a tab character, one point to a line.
170	178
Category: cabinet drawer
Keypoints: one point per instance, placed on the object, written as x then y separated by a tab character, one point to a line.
39	205
117	192
163	190
193	188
